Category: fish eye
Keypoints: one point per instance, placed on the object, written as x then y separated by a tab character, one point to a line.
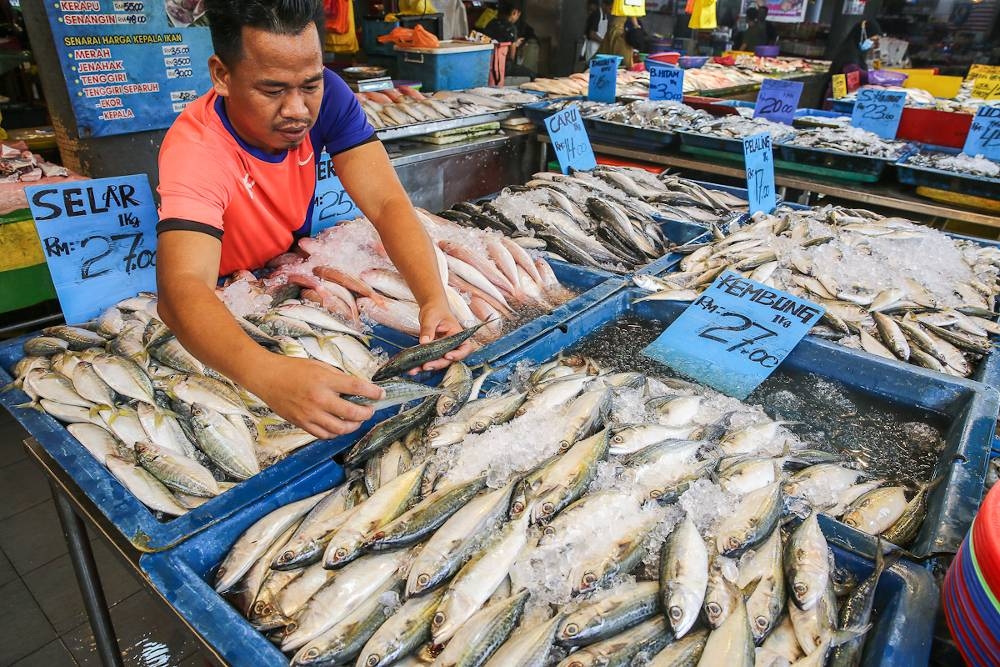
618	439
571	629
518	507
312	653
733	543
676	613
287	556
851	522
340	554
762	623
548	507
438	619
424	579
548	531
589	578
655	494
800	589
713	608
372	660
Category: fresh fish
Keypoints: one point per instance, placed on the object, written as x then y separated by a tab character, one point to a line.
751	522
177	472
78	338
320	318
631	438
682	652
683	576
906	528
125	376
425	517
721	593
99	442
386	432
875	511
484	633
814	625
648	637
418	355
487	412
752	439
457	385
528	645
145	487
228	446
566	478
397	392
402	633
608	615
89	385
731	643
386	465
807	564
306	545
767	601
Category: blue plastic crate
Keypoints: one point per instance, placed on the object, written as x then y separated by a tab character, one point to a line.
845	107
452	66
837	160
537	112
620	134
710	142
969	406
905	598
977	186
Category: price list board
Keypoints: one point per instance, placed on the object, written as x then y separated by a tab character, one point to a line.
130	66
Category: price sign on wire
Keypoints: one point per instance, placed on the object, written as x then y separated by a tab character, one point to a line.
666	82
758	155
987	86
777	100
603	82
331	203
879	111
735	334
984	134
839	86
99	240
569	138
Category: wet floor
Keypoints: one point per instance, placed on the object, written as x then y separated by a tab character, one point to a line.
43	618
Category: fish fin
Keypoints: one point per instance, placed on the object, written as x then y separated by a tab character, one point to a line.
847	634
261	424
13	384
749	589
33	405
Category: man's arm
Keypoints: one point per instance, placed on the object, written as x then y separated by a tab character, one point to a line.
370	180
305	392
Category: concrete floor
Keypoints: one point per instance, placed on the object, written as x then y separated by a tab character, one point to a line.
42	619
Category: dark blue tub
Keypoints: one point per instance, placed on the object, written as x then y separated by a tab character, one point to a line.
901	636
970	408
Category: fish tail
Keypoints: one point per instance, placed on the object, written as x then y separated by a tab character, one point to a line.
33	405
13	384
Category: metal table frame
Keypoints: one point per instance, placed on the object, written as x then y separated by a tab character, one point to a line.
78	516
866	194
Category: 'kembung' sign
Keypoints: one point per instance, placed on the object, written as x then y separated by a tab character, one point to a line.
570	140
99	240
735	334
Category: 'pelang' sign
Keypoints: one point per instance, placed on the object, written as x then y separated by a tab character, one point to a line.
735	334
99	240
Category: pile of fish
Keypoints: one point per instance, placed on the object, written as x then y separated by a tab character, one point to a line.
959	164
605	218
714	77
848	139
780	65
509	96
661	115
582	517
488	278
405	106
174	432
588	108
629	83
738	127
889	286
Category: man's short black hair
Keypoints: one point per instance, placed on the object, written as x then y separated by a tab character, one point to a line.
227	18
752	14
505	9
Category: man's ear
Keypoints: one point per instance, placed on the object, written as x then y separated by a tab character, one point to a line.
220	75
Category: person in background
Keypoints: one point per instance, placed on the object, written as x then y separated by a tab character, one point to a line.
851	54
624	13
770	32
504	29
756	33
597	26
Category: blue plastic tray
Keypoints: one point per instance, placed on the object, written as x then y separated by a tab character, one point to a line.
138	525
904	600
845	107
977	186
970	407
537	112
629	135
838	160
710	142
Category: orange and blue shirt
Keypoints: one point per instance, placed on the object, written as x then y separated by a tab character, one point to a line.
255	202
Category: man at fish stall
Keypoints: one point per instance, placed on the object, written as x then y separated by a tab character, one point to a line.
237	176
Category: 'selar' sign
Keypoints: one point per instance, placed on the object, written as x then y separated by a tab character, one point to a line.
879	111
984	134
569	138
99	240
331	203
603	83
777	100
666	82
735	334
758	155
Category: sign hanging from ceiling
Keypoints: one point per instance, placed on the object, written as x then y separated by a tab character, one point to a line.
130	66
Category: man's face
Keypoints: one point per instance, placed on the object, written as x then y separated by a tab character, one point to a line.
515	16
273	93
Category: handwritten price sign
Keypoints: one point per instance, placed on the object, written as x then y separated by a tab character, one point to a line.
987	86
984	134
570	140
778	100
735	334
666	82
758	155
603	83
99	240
879	111
839	86
331	203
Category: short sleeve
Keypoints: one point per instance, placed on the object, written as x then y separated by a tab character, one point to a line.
194	184
342	124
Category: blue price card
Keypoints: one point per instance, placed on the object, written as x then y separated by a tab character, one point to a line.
984	134
666	82
879	111
99	240
569	138
777	100
759	158
735	334
603	82
331	203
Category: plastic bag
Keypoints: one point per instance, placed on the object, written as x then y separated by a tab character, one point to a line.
884	77
418	36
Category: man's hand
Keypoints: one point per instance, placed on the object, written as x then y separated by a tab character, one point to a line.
308	394
437	321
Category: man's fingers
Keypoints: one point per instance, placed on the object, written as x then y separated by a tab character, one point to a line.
348	411
335	426
348	384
